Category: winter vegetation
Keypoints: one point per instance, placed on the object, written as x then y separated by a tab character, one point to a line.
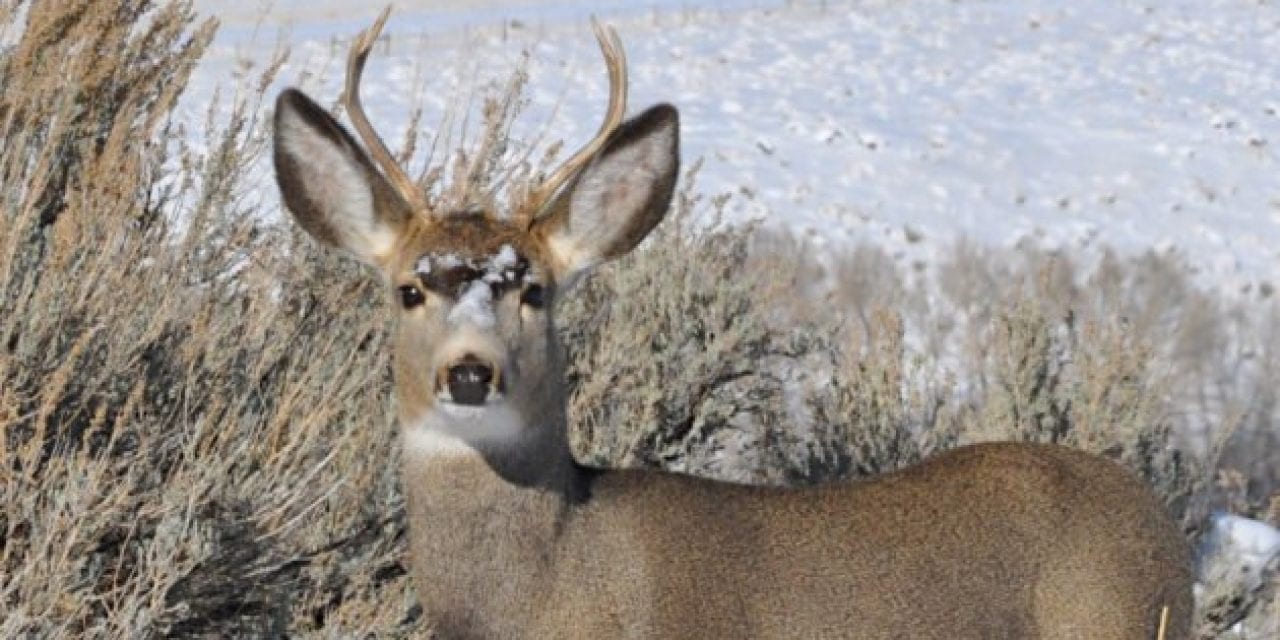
196	436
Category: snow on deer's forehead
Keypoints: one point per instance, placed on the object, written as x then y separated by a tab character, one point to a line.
504	266
474	306
473	281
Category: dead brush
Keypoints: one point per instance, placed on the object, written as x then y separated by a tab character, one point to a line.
160	473
699	356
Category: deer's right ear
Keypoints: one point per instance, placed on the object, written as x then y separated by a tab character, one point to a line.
619	197
329	184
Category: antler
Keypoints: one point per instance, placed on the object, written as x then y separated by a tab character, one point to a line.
616	61
401	181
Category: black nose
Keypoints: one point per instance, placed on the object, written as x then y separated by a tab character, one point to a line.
469	381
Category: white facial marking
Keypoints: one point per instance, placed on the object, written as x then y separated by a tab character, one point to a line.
431	442
448	429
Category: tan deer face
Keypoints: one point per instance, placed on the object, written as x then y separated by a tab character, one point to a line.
473	290
471	293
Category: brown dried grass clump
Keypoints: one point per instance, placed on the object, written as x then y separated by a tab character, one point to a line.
196	437
176	400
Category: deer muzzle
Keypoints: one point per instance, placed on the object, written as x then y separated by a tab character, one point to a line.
469	381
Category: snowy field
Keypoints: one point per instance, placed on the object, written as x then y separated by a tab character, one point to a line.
1135	125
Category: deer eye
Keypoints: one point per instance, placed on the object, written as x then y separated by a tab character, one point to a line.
411	296
533	296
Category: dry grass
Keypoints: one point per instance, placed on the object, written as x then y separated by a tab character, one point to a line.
196	438
176	406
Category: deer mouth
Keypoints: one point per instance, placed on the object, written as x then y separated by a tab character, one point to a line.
470	382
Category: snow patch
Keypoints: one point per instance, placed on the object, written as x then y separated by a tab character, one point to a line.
506	258
474	306
1237	550
504	266
1245	543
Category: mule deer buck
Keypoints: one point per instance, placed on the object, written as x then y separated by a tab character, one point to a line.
511	538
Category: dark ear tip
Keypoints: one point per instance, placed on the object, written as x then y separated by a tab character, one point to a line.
290	97
662	113
659	117
292	100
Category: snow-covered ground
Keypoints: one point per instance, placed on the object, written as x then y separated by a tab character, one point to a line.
1138	125
1244	552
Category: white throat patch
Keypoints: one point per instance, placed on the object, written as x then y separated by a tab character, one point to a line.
452	430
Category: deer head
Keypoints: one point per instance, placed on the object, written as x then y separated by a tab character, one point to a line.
474	289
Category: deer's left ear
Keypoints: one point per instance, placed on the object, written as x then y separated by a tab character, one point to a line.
330	185
617	199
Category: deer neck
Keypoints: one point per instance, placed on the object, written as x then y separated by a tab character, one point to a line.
487	493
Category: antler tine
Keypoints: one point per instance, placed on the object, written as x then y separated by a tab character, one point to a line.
360	49
616	61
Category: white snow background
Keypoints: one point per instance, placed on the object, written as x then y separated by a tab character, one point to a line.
1136	125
